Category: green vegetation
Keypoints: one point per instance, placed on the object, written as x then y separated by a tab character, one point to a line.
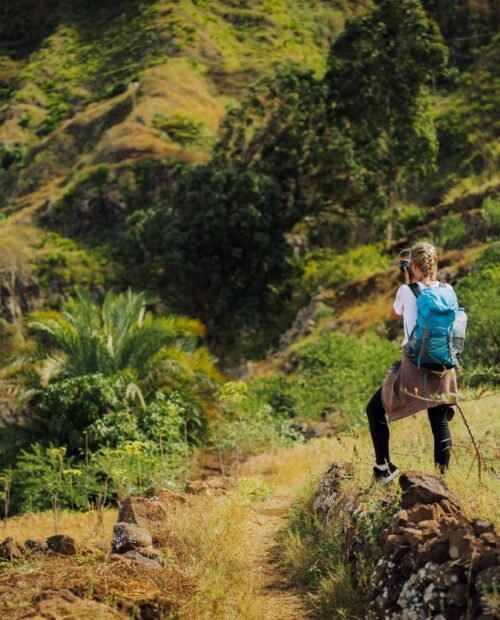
316	554
250	423
227	261
118	392
325	267
452	232
477	294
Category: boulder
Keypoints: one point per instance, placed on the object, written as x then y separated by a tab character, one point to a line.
10	550
127	537
142	512
169	497
33	544
61	544
138	558
419	488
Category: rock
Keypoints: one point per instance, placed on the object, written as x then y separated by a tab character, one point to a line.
452	612
485	560
490	538
400	519
169	497
462	545
412	536
425	512
482	526
10	550
424	489
433	551
33	544
488	579
457	594
393	543
142	512
329	488
150	552
196	487
138	558
213	485
450	507
127	537
61	544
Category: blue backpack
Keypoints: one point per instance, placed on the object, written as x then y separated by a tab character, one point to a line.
430	343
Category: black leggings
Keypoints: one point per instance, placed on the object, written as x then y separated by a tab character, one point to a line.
379	429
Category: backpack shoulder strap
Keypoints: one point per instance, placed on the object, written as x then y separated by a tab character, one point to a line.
415	289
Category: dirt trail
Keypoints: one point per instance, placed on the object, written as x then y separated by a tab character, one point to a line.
276	595
281	601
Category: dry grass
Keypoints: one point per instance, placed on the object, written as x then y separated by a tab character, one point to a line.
411	448
87	528
214	546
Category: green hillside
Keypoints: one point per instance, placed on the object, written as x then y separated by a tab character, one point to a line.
202	206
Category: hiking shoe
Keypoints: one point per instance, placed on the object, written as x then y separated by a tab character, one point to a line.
385	473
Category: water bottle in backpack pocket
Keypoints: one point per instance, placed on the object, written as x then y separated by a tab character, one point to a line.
458	332
431	342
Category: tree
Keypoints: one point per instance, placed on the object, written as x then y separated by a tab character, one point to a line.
215	245
378	72
119	338
282	129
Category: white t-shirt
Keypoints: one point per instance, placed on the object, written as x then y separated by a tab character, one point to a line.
405	304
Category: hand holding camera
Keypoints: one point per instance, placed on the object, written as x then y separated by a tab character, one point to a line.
405	266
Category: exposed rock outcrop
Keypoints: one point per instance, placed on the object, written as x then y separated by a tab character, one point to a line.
435	562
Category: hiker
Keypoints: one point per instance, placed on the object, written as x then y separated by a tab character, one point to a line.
411	386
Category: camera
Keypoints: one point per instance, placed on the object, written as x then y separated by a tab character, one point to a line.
405	263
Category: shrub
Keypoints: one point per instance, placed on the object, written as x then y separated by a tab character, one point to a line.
478	294
326	268
45	477
491	213
68	408
452	232
340	371
250	425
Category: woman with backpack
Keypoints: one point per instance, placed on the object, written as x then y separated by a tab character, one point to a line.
425	377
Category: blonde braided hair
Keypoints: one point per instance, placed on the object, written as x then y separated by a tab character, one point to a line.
424	256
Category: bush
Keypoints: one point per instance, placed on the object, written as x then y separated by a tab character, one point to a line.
45	477
342	372
326	268
452	232
491	213
68	408
249	425
478	294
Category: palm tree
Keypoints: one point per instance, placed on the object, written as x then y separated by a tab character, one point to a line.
118	338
